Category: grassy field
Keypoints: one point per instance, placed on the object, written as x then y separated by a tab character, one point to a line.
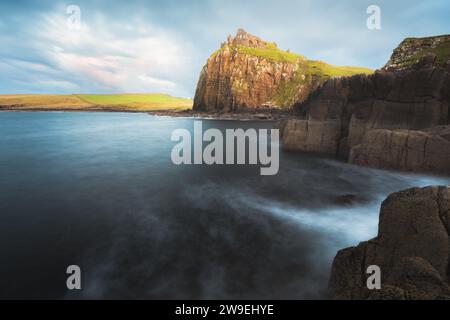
153	101
328	70
119	102
42	101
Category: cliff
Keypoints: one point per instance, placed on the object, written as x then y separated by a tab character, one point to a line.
396	118
248	72
412	250
411	50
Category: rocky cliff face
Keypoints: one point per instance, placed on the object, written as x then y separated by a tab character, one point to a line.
425	150
411	50
382	120
412	249
248	72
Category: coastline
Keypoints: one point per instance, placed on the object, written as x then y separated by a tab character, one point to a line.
248	115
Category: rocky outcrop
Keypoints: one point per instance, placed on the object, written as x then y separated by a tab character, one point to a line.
312	135
383	120
234	79
412	250
411	50
248	72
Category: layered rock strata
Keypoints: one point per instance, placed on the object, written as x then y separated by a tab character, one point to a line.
248	73
394	119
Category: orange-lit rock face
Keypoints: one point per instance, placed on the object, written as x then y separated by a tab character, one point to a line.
234	79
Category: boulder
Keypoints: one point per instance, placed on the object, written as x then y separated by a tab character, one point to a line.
412	250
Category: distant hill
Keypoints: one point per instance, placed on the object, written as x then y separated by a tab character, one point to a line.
93	102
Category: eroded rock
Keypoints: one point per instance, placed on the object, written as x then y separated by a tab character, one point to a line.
408	150
248	73
412	249
383	120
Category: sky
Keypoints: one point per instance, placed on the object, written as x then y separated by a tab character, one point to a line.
161	45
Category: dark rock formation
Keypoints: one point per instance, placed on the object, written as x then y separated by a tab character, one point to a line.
409	150
412	249
248	72
363	118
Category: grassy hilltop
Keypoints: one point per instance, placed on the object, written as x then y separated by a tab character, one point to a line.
248	72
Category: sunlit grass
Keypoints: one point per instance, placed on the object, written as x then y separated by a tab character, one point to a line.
141	102
328	70
43	101
306	71
119	102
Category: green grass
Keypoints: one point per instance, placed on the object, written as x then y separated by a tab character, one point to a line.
328	70
308	74
441	49
151	101
114	102
273	53
288	93
43	101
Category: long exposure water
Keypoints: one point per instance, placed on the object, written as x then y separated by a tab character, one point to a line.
99	190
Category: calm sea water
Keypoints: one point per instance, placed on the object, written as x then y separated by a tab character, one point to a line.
99	190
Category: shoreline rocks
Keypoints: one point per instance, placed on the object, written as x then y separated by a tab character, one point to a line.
412	250
247	115
407	150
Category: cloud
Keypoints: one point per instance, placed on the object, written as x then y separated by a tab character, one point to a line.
98	58
162	45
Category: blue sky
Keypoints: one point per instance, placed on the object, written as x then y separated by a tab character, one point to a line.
161	45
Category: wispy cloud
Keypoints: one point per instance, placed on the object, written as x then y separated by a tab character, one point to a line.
157	45
98	58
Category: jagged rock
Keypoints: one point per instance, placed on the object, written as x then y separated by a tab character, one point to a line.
414	98
248	72
411	50
412	249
